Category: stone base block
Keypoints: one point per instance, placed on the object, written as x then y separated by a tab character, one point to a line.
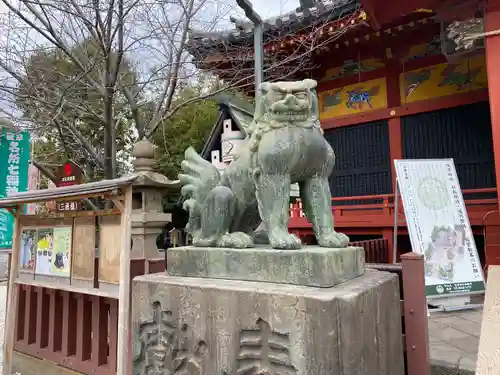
309	266
194	326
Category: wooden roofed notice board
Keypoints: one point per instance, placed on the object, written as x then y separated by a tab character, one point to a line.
58	251
439	227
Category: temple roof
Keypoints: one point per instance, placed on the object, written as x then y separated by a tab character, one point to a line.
288	23
239	110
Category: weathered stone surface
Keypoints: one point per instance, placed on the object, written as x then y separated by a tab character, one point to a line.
194	326
310	266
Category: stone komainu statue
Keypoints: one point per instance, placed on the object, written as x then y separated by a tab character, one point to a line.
285	146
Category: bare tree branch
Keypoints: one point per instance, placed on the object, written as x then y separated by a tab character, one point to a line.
92	75
48	173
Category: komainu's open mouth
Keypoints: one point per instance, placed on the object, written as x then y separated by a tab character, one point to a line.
290	115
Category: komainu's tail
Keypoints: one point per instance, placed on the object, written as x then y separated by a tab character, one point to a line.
199	177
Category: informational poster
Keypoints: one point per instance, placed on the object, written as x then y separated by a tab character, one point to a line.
62	251
27	253
44	249
439	227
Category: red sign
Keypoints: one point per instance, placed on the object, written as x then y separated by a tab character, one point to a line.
68	174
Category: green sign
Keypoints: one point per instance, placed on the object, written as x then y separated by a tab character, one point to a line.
14	164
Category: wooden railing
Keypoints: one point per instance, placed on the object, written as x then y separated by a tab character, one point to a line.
74	330
378	210
413	311
375	250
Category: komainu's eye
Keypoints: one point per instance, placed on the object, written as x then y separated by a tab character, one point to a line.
300	95
278	95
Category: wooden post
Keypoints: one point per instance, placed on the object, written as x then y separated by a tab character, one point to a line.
11	314
489	343
388	235
124	288
492	23
415	309
393	69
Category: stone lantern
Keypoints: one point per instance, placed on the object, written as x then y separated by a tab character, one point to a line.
148	218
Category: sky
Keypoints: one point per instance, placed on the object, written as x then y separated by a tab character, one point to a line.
265	8
269	8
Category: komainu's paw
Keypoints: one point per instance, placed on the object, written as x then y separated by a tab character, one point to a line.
237	240
285	241
204	242
333	240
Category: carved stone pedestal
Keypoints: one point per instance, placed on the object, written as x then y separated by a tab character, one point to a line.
309	266
202	326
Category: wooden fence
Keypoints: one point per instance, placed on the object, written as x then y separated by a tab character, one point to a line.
374	215
75	330
60	306
376	250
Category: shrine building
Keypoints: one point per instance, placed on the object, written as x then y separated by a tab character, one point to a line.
396	79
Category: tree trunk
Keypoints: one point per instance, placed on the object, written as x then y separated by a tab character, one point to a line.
109	136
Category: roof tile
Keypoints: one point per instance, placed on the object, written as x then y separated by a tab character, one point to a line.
288	22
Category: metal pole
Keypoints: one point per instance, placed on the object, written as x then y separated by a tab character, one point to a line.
258	35
258	55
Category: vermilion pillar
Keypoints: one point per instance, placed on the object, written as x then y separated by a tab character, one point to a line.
393	69
394	100
492	23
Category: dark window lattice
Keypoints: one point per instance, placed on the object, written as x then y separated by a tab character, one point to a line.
462	133
363	165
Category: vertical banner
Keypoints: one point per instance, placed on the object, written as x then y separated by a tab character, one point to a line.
439	227
14	164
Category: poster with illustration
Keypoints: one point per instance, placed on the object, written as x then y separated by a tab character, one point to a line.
27	252
44	246
61	251
439	226
444	252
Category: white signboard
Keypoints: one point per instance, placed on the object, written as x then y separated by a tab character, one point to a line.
439	227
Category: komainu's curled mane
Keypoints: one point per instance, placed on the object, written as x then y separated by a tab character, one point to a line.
285	146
